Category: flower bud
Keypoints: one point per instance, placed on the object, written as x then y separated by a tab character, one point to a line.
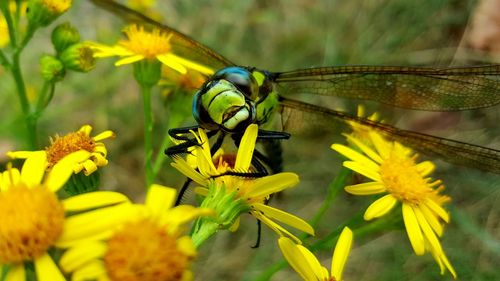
52	69
44	12
78	57
63	36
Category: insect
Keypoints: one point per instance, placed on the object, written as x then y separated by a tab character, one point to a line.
236	96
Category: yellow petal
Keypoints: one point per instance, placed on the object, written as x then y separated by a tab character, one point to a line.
172	62
355	156
47	270
184	214
427	231
285	218
357	167
275	227
94	270
192	65
104	135
89	167
86	129
413	230
93	200
20	154
185	245
341	253
97	221
271	184
295	258
34	168
320	272
366	150
77	256
246	148
425	168
159	199
436	208
380	207
129	59
9	178
382	146
432	219
183	166
367	188
16	273
63	169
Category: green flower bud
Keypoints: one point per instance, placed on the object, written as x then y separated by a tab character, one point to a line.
44	12
147	72
63	36
52	69
78	57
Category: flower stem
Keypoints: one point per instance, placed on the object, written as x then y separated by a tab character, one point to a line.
148	132
29	118
333	190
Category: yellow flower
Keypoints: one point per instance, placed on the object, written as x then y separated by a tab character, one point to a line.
153	45
248	194
72	142
33	220
308	267
148	245
393	170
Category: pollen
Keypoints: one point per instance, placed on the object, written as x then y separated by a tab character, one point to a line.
31	219
72	142
147	44
144	251
403	180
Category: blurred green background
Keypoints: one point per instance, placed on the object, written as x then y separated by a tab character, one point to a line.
278	36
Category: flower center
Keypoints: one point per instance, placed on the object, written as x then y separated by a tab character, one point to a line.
403	180
148	44
31	221
67	144
144	251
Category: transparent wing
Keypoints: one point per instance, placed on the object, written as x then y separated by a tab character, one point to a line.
455	152
431	89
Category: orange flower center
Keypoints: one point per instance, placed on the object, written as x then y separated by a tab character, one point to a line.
143	251
403	180
147	44
31	221
67	144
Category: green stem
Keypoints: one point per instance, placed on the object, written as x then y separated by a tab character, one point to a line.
4	61
43	100
333	190
148	132
29	118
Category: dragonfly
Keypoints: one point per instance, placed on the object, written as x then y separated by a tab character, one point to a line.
236	96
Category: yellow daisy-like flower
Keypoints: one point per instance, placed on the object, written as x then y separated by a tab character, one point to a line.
72	142
149	45
393	169
308	267
248	194
33	220
149	246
